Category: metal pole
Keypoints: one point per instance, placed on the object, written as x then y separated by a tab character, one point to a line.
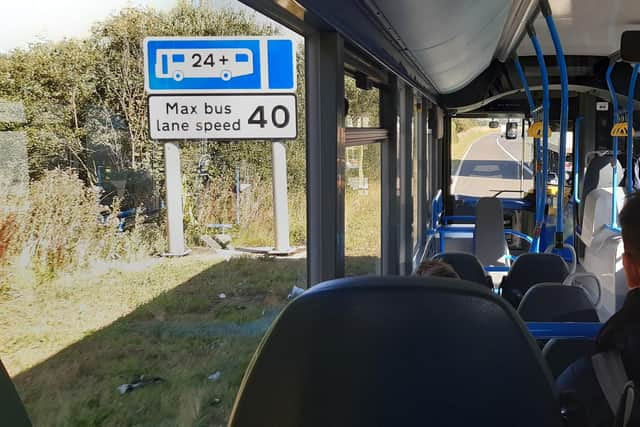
405	166
564	119
630	98
238	195
390	252
280	199
522	160
173	182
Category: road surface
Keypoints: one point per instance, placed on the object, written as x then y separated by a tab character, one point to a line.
492	165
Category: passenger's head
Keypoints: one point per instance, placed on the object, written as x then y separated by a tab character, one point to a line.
436	268
630	224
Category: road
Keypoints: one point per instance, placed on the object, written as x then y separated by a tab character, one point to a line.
490	165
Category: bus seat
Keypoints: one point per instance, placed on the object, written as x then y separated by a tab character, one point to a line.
12	411
530	269
599	174
603	258
555	302
597	211
467	266
559	354
489	243
391	351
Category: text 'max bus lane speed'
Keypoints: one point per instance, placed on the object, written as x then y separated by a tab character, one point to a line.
235	116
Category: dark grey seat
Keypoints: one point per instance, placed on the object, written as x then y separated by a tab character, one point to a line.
467	266
530	269
555	302
12	411
489	243
560	354
397	351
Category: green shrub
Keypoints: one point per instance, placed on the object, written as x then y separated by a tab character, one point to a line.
55	227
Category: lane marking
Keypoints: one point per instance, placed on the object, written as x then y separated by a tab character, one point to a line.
459	168
528	169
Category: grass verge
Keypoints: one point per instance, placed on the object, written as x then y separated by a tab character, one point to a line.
466	138
70	344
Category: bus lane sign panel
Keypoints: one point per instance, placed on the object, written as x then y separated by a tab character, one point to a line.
237	116
219	65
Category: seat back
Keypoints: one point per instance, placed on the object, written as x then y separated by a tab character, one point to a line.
599	174
12	411
597	211
467	266
554	302
393	351
530	269
489	243
560	354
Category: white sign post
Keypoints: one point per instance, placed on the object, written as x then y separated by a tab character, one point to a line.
221	88
173	182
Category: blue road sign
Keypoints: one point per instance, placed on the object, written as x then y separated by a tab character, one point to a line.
176	65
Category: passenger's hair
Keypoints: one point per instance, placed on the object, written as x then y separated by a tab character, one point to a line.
436	268
630	224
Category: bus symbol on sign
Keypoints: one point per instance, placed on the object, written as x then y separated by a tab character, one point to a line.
203	63
176	65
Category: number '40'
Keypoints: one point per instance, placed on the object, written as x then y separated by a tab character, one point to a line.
279	116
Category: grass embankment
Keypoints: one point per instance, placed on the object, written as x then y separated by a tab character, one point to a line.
463	140
69	343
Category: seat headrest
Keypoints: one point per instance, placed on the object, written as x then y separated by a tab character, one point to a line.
466	265
394	351
554	302
532	268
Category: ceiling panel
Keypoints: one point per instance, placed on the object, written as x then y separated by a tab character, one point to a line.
587	27
453	40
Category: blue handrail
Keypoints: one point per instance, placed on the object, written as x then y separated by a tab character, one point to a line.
616	110
564	121
564	330
535	244
545	107
519	234
630	97
576	159
435	209
525	85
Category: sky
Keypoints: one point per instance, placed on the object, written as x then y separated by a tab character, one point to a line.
28	21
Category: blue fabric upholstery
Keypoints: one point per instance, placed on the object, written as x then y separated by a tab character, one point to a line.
554	302
530	269
397	351
560	354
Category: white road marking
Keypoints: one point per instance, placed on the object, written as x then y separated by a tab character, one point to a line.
459	168
512	156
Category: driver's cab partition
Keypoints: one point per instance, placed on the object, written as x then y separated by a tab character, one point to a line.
458	232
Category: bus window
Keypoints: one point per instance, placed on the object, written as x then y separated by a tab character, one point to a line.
487	163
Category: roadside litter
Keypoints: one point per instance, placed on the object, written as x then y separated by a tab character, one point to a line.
215	376
139	382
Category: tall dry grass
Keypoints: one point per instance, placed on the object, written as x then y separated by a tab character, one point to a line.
53	226
215	203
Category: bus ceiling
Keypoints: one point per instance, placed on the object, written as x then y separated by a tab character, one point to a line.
463	60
